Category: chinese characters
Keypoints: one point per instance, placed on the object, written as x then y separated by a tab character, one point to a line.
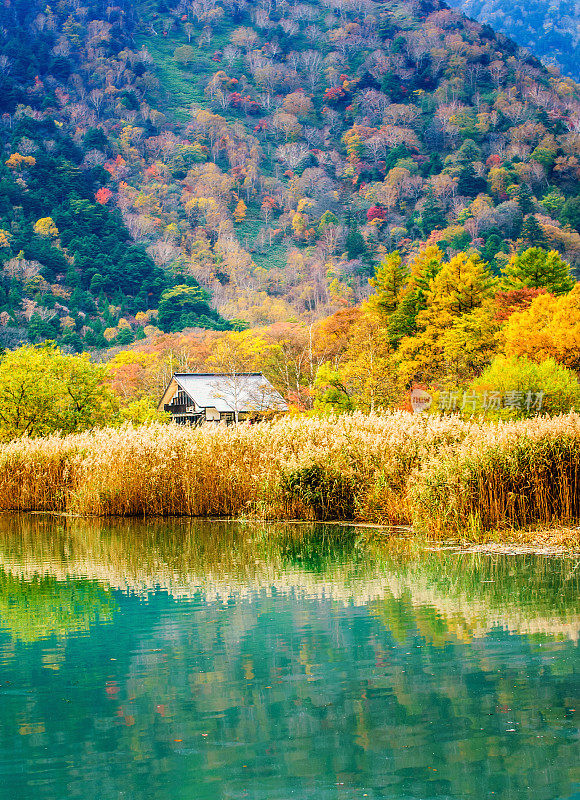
515	399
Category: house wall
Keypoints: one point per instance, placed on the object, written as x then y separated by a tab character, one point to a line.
168	395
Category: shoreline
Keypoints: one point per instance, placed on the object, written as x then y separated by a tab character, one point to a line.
509	484
563	541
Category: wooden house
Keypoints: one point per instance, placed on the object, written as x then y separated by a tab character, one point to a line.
212	397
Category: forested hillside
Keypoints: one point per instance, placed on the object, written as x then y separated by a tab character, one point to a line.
224	164
550	30
71	269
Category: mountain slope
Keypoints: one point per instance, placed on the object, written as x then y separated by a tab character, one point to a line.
263	156
550	30
70	269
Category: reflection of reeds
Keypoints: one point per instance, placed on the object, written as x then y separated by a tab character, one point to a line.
213	561
444	473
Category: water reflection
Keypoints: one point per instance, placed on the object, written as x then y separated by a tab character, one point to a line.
181	659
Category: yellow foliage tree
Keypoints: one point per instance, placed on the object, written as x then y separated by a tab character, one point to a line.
67	323
470	343
45	227
42	391
461	285
18	162
550	327
110	333
364	378
299	224
240	211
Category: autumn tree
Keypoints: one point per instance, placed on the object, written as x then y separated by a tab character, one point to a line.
559	386
470	343
364	378
19	162
240	211
299	104
46	227
42	390
461	285
244	37
548	328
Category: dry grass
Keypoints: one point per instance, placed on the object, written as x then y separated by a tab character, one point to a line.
443	475
514	475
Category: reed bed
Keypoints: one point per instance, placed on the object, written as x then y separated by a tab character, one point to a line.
515	475
442	474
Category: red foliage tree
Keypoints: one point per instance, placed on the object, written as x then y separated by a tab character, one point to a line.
334	94
514	300
103	195
376	212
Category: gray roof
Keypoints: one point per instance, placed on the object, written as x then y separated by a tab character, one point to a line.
242	391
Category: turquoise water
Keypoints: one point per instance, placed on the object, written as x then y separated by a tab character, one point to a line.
208	661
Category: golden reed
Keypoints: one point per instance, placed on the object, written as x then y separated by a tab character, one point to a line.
441	474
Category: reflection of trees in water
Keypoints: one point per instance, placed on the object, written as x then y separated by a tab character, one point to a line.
304	692
44	606
446	594
299	690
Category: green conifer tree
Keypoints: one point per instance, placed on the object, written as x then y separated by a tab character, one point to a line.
537	268
355	244
571	213
532	235
36	328
431	215
525	199
413	299
388	283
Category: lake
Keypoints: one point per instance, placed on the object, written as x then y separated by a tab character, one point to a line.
188	660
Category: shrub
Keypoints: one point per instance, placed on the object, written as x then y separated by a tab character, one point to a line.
559	385
322	489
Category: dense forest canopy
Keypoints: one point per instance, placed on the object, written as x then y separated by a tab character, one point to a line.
224	164
550	30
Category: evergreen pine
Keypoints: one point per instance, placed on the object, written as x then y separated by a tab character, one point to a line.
125	336
493	245
431	214
571	213
412	300
388	283
36	328
525	199
469	184
355	244
532	235
537	268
